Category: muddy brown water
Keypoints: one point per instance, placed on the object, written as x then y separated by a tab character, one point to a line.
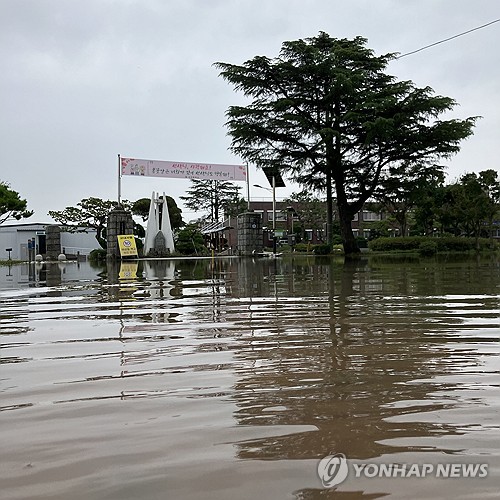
233	378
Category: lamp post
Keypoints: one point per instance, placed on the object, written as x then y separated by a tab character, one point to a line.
273	190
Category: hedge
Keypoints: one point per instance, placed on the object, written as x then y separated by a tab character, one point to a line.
424	244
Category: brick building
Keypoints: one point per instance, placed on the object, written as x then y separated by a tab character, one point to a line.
288	223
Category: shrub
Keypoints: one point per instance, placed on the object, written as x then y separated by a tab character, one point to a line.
190	241
427	248
303	247
425	244
362	242
97	255
323	249
395	244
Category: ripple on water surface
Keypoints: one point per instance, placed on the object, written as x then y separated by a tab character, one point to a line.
232	378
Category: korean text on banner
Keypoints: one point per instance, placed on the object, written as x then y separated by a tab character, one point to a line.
207	171
126	243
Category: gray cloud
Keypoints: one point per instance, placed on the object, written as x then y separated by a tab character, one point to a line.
84	81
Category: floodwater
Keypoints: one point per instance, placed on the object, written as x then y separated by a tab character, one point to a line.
232	379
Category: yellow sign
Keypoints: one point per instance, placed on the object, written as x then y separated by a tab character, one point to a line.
126	243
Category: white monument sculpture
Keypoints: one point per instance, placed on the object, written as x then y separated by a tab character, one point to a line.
159	238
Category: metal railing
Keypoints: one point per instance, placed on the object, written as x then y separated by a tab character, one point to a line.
76	251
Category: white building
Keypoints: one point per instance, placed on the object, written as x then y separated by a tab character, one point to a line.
19	237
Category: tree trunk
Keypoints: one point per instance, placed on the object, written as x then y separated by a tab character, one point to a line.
346	214
348	239
98	236
403	228
329	209
403	223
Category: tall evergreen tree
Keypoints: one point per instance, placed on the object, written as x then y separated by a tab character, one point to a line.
325	112
212	197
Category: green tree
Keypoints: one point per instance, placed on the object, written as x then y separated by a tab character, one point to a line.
234	205
468	206
426	211
474	205
141	209
309	209
11	204
211	196
88	213
190	241
403	186
326	113
476	202
490	183
448	209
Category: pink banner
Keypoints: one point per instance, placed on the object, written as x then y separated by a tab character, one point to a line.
207	171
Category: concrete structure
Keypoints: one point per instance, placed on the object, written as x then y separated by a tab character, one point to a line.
25	236
287	222
53	242
119	222
159	240
250	234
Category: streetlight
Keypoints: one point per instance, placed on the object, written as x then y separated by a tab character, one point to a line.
273	190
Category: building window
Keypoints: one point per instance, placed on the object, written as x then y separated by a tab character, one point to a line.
280	216
371	216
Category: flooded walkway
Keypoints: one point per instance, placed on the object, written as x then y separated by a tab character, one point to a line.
232	379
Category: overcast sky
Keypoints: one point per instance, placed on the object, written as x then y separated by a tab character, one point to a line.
83	81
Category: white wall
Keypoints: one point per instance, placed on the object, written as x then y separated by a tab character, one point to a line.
79	242
17	235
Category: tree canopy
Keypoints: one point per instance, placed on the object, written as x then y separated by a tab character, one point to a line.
325	112
89	213
469	206
214	197
141	209
308	209
93	213
404	186
11	204
190	241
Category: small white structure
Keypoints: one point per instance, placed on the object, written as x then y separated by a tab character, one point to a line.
159	238
23	236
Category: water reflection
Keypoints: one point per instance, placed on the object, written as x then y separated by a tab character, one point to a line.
341	363
232	362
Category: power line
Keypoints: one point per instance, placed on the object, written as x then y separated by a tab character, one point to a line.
448	39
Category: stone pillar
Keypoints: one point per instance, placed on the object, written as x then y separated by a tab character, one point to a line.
250	234
119	222
52	242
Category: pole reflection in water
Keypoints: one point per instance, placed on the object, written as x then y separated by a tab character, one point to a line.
233	378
